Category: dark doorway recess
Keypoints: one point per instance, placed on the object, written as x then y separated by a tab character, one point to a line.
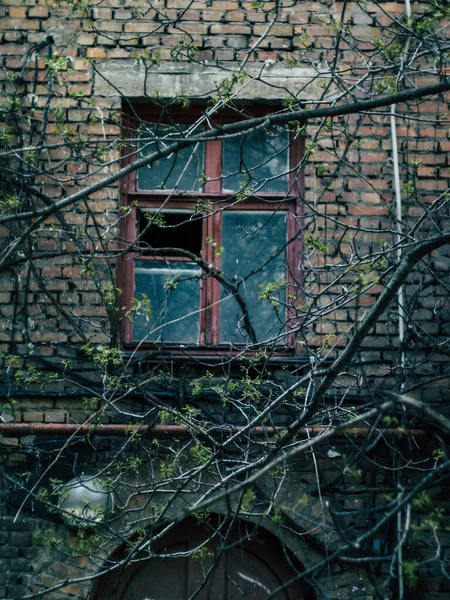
203	562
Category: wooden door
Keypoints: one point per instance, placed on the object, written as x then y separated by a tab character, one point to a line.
240	565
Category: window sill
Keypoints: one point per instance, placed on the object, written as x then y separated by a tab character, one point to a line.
213	354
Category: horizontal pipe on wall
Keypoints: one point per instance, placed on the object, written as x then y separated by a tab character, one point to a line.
162	431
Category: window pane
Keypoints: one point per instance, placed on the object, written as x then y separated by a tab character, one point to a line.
179	171
173	288
250	239
259	160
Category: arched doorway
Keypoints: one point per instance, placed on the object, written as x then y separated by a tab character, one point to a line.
203	562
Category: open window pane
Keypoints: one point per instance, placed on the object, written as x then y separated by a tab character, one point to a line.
171	229
254	254
173	289
181	170
259	160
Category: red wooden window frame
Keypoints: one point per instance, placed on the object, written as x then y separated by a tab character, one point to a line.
210	288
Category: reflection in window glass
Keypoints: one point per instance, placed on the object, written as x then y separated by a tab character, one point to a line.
250	239
181	170
173	288
259	160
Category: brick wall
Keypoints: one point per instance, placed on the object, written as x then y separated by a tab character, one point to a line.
348	176
54	304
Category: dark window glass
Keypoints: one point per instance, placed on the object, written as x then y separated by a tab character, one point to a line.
259	160
255	255
182	171
173	288
174	229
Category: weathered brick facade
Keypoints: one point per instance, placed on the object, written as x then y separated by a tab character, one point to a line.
70	71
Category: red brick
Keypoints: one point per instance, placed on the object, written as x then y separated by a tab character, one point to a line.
112	26
76	76
102	13
196	29
23	24
20	13
58	285
86	39
104	40
212	15
225	54
275	30
118	53
55	416
80	64
139	27
256	17
38	11
393	7
123	14
191	15
235	15
96	53
99	129
51	272
33	416
230	29
376	211
298	17
76	168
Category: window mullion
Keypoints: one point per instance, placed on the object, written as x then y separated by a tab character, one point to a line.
214	298
211	287
294	250
125	268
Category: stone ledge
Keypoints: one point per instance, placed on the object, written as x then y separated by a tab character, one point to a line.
265	83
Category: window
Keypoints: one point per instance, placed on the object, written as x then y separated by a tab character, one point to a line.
213	234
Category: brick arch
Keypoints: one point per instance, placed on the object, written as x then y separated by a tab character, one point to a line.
250	563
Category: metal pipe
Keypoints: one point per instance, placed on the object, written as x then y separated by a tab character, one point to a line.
399	214
398	202
161	431
401	292
407	8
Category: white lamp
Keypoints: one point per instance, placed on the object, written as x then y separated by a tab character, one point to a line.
84	501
